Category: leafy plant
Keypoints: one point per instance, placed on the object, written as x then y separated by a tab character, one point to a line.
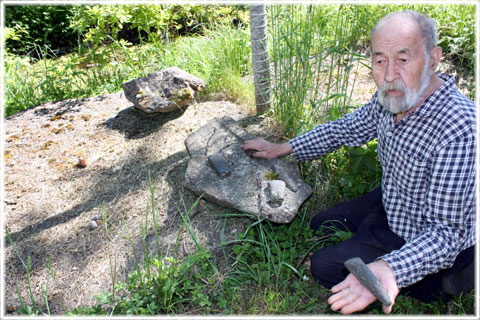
40	27
102	24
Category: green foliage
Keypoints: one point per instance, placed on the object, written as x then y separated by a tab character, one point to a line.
63	27
353	171
161	285
101	24
221	57
457	34
269	261
39	27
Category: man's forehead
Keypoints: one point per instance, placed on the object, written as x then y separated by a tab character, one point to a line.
400	50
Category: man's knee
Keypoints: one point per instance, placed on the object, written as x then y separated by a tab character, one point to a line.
348	215
327	270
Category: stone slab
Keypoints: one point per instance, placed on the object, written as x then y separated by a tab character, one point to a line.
247	186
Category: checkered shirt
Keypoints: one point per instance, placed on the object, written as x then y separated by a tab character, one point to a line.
428	179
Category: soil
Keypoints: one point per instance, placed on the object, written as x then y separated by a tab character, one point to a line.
78	181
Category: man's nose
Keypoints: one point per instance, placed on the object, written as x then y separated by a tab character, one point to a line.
391	73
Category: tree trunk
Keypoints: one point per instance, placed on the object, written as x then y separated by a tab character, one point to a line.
260	58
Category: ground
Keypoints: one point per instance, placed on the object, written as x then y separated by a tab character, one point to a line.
69	164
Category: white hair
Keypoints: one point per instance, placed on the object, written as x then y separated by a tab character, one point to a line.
427	26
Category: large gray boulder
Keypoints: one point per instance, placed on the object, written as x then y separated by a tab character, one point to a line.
163	91
221	171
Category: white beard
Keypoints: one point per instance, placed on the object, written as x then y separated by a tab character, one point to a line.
409	98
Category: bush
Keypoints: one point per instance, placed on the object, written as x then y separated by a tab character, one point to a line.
39	27
32	29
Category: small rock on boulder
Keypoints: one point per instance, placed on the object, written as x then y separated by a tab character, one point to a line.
221	171
163	91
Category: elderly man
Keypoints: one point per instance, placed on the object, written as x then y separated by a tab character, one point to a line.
417	231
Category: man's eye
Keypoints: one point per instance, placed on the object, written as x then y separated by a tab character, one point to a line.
402	61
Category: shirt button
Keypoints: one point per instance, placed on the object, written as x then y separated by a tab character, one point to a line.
389	133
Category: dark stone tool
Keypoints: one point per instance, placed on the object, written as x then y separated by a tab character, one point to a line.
220	165
366	277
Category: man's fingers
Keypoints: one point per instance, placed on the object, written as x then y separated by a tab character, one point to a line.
350	300
350	296
360	303
342	299
387	309
256	144
340	286
337	296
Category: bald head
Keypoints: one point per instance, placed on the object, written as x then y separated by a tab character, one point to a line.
411	21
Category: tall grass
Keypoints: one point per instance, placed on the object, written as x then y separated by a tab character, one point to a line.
314	49
270	259
317	51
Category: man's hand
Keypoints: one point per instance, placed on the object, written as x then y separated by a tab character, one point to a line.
267	149
351	296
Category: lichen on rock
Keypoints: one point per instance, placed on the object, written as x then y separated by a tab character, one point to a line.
163	91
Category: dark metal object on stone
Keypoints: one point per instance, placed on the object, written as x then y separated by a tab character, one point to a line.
366	277
220	165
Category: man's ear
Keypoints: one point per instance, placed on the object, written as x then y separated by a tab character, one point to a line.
435	56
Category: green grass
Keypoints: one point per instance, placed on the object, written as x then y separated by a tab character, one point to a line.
314	50
263	272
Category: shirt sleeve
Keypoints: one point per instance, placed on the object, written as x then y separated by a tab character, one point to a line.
352	130
449	216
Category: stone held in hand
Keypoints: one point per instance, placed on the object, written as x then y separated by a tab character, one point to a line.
269	188
366	277
164	91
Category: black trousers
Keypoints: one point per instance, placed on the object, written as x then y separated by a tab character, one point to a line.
366	217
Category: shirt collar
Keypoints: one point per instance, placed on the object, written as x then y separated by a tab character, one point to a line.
431	103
